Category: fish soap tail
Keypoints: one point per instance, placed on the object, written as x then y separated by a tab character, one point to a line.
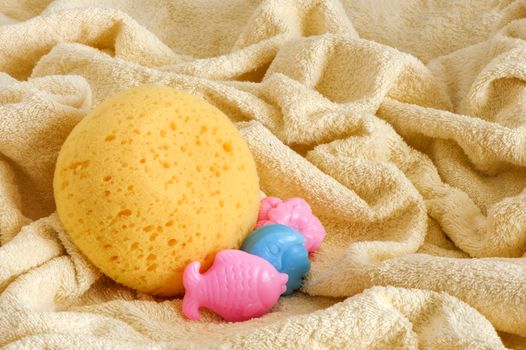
191	280
191	276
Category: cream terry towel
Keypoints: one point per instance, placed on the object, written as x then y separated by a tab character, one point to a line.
403	123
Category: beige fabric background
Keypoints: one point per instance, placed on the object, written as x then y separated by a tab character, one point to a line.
403	123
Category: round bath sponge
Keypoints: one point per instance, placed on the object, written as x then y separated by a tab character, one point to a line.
151	180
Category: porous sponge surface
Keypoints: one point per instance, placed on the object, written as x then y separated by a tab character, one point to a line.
152	179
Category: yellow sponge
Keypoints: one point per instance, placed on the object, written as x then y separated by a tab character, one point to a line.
153	179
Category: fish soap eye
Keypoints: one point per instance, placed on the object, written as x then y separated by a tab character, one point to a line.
274	249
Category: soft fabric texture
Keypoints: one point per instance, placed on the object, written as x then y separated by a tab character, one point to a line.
402	123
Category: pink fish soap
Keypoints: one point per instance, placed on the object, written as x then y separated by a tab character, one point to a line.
239	286
295	213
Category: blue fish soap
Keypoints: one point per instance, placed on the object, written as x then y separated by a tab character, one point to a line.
284	248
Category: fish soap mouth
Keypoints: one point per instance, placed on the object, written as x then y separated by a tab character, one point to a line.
284	280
